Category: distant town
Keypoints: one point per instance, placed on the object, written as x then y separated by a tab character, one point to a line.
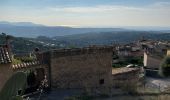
96	71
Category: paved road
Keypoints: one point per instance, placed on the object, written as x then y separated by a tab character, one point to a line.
58	94
162	83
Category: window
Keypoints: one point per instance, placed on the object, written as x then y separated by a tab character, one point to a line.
101	81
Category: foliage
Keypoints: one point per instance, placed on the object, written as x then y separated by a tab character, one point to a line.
17	98
120	64
27	59
16	61
22	45
22	59
25	45
83	97
126	61
13	85
135	60
115	57
30	78
72	46
164	69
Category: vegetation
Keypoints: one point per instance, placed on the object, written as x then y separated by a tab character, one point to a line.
21	45
164	69
16	83
26	59
120	64
82	97
16	61
126	61
30	78
20	60
25	45
135	60
17	98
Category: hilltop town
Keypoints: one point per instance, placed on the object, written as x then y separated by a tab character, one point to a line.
94	70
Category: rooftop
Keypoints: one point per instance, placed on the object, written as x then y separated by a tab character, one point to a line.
79	51
4	55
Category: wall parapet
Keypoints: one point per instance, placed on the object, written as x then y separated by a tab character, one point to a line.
79	51
125	72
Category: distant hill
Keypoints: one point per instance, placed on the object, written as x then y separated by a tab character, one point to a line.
21	45
106	38
28	36
26	45
28	29
5	23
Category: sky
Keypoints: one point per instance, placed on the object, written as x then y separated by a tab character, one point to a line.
87	13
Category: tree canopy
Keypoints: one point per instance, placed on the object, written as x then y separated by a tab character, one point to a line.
165	67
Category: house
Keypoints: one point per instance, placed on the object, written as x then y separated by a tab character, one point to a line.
154	53
129	50
87	68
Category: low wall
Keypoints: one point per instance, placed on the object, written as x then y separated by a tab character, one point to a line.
126	80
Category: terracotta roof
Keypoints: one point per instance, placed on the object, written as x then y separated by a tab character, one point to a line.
25	65
4	55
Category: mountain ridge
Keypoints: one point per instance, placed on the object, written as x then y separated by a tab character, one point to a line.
51	31
32	30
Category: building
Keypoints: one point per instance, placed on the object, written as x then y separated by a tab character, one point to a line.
88	69
129	50
154	53
151	61
82	68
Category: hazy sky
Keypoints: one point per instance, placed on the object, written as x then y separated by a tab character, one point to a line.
87	13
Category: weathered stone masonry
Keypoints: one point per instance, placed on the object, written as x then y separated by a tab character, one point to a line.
81	68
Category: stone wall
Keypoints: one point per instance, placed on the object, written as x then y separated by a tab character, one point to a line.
126	80
81	68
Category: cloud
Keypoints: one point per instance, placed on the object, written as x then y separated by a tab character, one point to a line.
157	6
156	14
95	9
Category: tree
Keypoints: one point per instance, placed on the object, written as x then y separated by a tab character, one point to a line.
16	83
164	69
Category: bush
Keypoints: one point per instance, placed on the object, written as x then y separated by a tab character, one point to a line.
82	97
16	61
27	59
164	69
12	86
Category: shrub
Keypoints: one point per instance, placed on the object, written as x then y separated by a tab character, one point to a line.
16	61
12	86
164	69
